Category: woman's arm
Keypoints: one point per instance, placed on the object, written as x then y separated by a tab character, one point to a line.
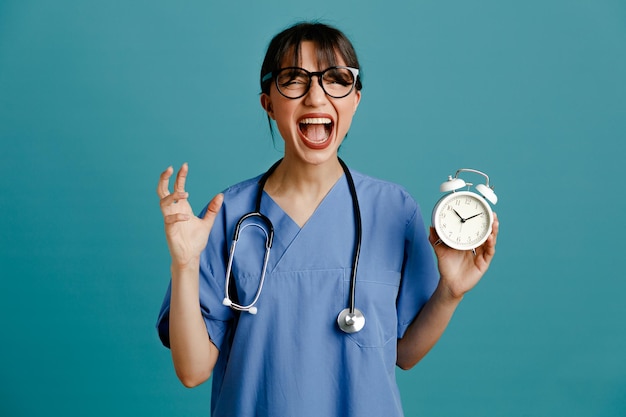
193	353
459	272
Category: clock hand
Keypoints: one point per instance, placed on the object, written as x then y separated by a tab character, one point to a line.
457	213
475	215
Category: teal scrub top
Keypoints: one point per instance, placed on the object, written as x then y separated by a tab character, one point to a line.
291	359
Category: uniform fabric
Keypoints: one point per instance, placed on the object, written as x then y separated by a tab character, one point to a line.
291	359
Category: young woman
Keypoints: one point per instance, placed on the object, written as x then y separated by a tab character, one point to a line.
349	289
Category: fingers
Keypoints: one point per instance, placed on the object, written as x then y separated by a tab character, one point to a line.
214	207
164	180
173	198
163	185
495	228
436	242
489	247
176	217
433	238
181	178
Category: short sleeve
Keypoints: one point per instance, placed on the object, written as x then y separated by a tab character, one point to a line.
419	272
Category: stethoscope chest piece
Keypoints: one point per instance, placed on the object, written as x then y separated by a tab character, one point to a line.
351	322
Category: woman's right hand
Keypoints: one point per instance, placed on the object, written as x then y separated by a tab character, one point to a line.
186	234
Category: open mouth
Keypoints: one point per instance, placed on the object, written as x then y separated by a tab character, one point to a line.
316	130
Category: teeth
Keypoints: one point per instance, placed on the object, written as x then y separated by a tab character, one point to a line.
316	121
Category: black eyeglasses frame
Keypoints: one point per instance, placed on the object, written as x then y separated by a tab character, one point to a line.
319	74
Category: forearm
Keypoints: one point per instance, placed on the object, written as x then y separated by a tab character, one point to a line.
427	327
193	353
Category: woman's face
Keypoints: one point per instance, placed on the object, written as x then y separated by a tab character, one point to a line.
314	125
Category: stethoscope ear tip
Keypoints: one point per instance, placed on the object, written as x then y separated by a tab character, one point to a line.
252	310
227	302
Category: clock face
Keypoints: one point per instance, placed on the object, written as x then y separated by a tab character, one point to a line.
463	220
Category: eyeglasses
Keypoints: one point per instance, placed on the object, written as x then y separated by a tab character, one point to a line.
295	82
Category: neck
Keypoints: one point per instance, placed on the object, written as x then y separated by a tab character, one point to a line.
303	178
299	188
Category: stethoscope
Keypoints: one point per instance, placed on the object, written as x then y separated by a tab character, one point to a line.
350	319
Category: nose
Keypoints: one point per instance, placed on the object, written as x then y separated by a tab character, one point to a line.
316	94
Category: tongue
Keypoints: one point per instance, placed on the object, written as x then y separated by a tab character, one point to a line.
315	133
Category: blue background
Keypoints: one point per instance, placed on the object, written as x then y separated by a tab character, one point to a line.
97	98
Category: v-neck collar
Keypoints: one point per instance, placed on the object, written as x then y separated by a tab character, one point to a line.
281	212
286	230
274	210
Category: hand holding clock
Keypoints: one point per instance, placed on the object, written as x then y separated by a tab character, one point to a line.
461	270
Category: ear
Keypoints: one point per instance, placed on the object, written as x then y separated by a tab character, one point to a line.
266	102
357	99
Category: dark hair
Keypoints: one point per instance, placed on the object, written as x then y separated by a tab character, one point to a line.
330	43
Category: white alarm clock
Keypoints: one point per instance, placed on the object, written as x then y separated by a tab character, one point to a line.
463	219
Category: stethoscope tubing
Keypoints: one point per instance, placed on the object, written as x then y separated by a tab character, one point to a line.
350	319
269	238
357	236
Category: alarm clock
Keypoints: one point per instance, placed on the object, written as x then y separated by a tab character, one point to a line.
463	219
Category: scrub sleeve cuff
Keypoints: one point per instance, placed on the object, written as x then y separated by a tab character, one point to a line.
216	329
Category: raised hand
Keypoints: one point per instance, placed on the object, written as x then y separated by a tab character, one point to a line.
461	270
186	234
